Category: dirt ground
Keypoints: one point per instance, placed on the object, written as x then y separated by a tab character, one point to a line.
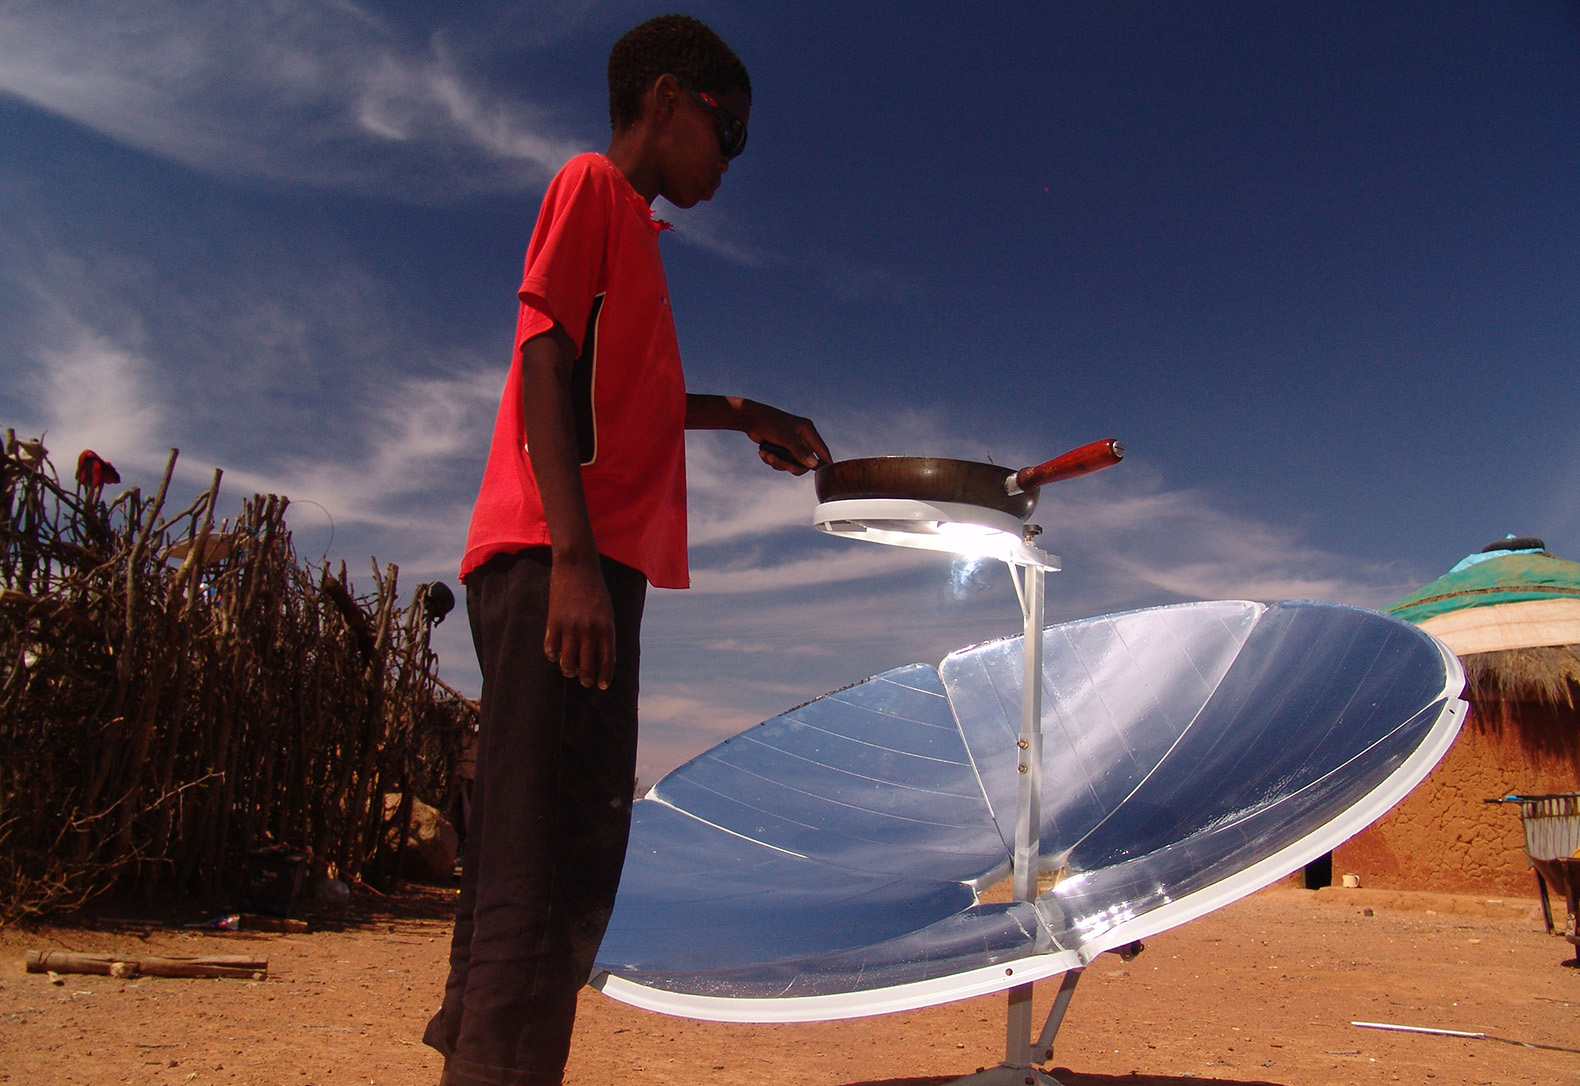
1263	991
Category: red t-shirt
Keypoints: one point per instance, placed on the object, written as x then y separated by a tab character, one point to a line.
593	267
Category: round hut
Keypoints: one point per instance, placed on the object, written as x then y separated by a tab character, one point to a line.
1511	613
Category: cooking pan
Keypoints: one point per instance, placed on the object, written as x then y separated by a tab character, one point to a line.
931	479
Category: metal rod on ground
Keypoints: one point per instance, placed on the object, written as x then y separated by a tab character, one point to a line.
1461	1033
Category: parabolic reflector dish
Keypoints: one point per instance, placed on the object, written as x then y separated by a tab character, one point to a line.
825	864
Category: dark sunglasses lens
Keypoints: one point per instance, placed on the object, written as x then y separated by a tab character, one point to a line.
732	137
732	130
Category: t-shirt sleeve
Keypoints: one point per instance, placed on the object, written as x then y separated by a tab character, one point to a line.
565	261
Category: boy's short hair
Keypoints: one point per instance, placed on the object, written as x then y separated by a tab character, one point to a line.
677	44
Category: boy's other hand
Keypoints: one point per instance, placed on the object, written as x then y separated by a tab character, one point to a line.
580	636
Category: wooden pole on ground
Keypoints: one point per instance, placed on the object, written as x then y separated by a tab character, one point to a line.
110	965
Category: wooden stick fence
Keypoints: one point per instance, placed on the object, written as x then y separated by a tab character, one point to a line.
177	689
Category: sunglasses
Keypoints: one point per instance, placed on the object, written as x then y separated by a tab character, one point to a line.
732	130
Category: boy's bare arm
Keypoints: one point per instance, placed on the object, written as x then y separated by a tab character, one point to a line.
763	424
580	634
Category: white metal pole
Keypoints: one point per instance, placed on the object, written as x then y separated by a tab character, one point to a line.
1028	799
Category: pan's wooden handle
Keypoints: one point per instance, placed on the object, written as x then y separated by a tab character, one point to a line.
1088	458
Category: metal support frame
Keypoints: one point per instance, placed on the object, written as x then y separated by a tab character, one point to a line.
1019	1053
909	523
1028	796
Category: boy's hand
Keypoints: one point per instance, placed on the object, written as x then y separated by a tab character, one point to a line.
784	441
787	442
580	634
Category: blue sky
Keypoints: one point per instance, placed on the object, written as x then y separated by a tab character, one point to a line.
1316	264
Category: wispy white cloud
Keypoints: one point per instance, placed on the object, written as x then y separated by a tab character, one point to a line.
321	93
400	485
407	475
851	282
84	385
302	91
677	726
1191	545
732	494
381	449
834	567
714	230
92	391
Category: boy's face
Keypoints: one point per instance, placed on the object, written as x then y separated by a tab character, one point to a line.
695	162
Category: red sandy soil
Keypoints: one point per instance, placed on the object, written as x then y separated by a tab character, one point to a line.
1263	991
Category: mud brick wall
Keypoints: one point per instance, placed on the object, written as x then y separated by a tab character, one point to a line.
1443	836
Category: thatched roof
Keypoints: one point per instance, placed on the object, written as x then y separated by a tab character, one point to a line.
1548	675
1512	615
1531	696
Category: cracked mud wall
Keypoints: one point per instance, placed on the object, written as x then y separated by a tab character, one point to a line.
1443	836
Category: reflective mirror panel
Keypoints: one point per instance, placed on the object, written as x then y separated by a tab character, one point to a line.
824	864
1117	694
874	777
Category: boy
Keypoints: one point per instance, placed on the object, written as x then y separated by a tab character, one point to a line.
582	506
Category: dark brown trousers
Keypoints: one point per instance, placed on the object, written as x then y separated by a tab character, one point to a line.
551	813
